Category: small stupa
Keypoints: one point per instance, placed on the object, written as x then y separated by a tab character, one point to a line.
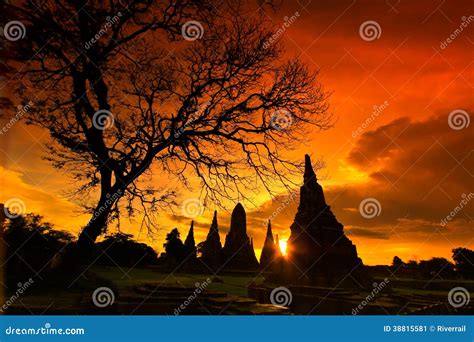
238	252
211	249
270	250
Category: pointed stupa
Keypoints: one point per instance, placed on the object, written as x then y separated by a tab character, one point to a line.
311	194
238	252
252	257
212	247
318	250
270	250
238	221
189	243
214	229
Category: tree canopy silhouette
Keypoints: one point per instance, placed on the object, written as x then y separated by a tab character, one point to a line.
191	87
464	261
121	249
174	247
31	245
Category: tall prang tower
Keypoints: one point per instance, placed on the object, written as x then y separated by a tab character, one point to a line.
318	251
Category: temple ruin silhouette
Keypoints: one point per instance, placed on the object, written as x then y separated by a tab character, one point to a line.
318	251
270	251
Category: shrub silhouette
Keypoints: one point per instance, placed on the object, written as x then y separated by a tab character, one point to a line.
120	249
31	247
464	262
174	248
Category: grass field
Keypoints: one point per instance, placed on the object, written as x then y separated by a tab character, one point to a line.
151	291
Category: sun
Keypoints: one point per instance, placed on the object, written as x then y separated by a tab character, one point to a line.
282	244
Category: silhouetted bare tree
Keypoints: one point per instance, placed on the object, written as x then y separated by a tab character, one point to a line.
188	85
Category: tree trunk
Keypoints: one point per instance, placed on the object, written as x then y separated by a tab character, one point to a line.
74	259
95	227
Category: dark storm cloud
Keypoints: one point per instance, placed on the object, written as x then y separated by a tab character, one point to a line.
419	172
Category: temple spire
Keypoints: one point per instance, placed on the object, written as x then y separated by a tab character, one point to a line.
189	243
214	227
211	248
308	169
269	231
270	249
311	194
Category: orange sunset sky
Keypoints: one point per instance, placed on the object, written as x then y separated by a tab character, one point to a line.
408	156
